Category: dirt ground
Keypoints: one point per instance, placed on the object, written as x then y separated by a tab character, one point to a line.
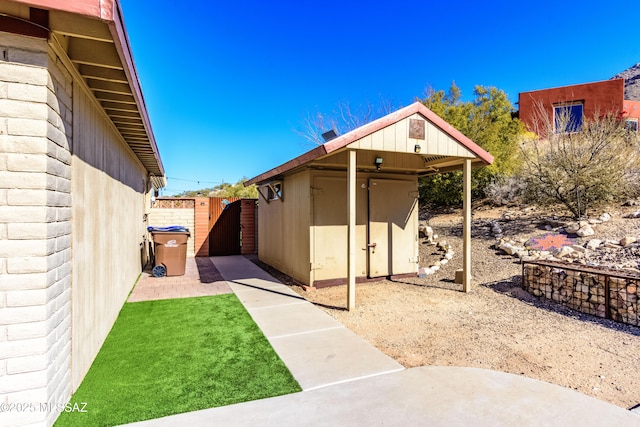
429	321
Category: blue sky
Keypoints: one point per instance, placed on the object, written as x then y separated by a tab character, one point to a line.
227	82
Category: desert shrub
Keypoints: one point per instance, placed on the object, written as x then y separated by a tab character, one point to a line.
592	165
506	191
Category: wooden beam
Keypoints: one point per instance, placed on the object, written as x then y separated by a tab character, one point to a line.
132	132
130	125
91	52
106	74
351	230
111	87
73	25
114	97
466	227
118	106
126	114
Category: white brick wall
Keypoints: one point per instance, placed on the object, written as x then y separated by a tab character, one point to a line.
35	228
164	217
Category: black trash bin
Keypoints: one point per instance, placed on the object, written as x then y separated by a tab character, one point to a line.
170	249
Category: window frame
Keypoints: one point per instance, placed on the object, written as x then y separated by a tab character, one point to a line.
274	191
634	127
569	128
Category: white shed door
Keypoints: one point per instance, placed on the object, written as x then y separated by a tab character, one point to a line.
393	227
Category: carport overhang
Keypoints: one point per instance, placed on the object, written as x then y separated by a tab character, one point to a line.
92	36
441	148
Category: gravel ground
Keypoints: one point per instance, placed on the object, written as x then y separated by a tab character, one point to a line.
429	321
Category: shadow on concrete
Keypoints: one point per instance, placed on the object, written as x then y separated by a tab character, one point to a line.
207	271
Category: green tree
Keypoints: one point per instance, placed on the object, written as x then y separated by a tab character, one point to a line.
225	190
488	121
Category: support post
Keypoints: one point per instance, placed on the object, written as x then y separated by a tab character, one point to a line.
466	227
351	230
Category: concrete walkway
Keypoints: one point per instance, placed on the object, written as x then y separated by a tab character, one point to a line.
318	350
347	381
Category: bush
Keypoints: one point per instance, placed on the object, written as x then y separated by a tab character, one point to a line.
595	165
507	191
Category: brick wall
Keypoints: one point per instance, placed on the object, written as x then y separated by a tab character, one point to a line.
35	253
249	226
201	238
163	217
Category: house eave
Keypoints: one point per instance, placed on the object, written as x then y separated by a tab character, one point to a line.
93	35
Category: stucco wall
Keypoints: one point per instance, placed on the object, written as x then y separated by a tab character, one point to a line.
164	217
35	228
597	98
109	227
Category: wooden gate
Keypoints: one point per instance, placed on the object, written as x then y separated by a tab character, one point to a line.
232	225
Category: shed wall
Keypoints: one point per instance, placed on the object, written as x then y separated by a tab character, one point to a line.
283	227
328	229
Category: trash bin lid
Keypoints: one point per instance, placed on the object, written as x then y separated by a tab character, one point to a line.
169	229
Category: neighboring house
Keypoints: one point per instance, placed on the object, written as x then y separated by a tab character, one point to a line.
78	162
350	206
566	107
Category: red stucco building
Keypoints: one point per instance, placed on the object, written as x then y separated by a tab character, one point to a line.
578	101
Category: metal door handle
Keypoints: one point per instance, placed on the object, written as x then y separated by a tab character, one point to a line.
371	245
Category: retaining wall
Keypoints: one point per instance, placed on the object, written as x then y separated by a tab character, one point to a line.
605	293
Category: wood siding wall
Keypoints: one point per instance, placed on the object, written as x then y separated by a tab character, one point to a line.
395	138
283	227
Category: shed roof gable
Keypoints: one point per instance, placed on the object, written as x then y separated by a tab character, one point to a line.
391	133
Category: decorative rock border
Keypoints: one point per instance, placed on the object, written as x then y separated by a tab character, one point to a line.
448	255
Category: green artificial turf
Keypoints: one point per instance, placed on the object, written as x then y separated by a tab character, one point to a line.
172	356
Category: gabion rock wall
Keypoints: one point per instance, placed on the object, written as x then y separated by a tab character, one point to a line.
600	292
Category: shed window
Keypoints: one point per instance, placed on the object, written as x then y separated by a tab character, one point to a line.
631	124
567	118
274	190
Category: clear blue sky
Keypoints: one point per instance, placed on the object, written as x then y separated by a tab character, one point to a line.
227	82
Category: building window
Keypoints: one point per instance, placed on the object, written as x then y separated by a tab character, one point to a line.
273	191
568	117
631	124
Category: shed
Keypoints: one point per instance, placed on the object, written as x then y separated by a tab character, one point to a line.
348	209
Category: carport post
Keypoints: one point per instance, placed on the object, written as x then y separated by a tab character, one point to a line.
351	230
466	227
